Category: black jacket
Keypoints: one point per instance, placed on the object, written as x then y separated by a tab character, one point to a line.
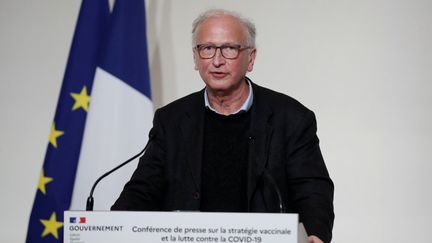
283	148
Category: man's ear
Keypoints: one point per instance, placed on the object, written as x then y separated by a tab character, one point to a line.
195	58
251	60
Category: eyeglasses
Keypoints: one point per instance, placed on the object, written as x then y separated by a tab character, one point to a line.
229	51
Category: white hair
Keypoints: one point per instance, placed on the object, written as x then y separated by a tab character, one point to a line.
249	26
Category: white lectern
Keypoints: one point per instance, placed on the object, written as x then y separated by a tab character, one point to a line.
169	227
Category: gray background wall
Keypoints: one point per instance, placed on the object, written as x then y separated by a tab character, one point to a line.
364	67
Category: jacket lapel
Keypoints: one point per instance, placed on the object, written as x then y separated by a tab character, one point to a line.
259	144
192	130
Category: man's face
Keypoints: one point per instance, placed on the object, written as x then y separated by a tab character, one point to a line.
219	73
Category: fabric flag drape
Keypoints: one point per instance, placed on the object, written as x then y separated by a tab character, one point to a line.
103	115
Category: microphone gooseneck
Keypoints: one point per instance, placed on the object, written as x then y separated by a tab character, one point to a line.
276	188
271	179
90	200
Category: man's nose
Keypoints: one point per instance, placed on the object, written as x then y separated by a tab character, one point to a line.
218	58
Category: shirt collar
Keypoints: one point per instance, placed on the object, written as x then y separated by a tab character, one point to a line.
244	108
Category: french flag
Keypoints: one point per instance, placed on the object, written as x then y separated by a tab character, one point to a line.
121	110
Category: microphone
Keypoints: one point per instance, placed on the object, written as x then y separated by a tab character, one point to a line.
270	178
90	200
276	188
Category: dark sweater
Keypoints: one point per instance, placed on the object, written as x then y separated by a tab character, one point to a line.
225	159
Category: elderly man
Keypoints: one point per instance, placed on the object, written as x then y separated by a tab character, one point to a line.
233	146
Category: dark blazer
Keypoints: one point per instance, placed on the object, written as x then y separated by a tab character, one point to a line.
284	150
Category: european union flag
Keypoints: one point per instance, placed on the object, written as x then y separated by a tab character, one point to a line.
107	68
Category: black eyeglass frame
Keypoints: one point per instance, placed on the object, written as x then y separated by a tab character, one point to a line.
237	47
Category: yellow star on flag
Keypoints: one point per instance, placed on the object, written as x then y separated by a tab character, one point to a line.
43	180
82	99
51	226
54	135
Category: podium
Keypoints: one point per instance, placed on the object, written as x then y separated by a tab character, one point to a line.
169	227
